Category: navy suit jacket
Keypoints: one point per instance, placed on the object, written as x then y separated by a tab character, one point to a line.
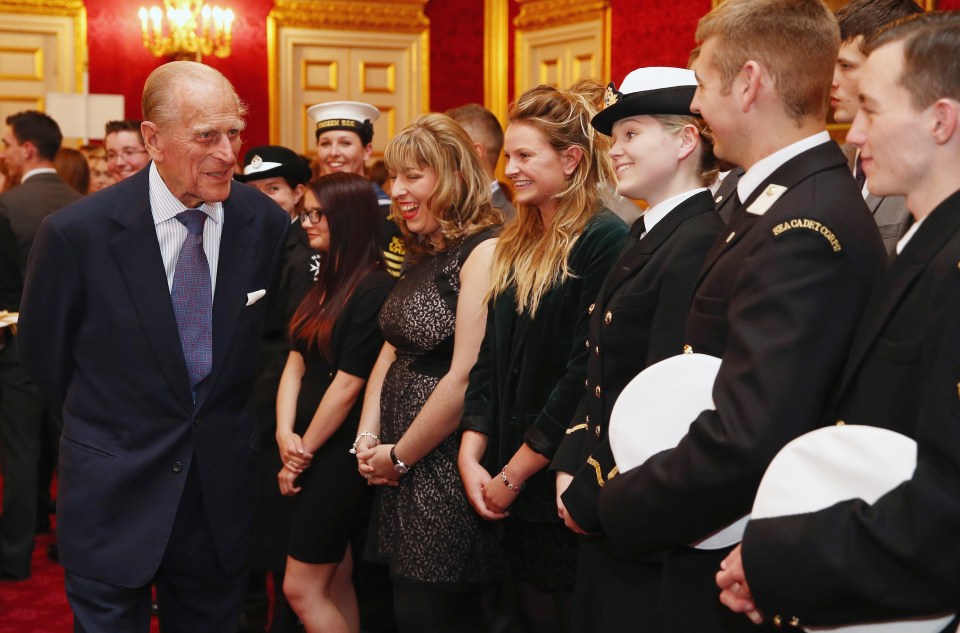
98	332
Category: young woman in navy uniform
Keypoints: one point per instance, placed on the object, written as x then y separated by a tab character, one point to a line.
662	155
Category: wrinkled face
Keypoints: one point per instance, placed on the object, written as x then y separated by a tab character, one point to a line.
125	154
845	90
342	150
318	233
411	193
281	193
12	153
720	111
196	151
644	156
537	170
895	142
100	177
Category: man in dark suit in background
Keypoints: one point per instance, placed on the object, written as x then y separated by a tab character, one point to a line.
778	299
31	140
898	557
487	135
142	313
859	20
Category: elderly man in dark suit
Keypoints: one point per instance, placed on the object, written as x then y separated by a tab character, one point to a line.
30	142
897	558
778	298
142	313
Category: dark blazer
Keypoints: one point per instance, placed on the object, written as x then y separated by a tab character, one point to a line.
529	373
98	332
637	320
778	300
726	196
897	558
11	281
28	203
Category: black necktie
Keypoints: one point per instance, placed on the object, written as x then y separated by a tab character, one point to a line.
859	175
638	229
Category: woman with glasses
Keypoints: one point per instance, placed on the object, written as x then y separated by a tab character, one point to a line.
441	555
335	342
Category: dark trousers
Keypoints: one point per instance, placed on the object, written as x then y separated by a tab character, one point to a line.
22	417
193	592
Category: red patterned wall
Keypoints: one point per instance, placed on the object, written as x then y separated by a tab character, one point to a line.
456	53
119	64
652	33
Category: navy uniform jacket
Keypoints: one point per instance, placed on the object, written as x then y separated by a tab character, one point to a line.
98	333
898	557
637	320
778	300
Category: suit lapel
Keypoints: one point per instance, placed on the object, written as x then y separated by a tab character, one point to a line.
816	159
238	250
640	253
901	274
873	202
138	256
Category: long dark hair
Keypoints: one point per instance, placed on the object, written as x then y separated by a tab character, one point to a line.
353	213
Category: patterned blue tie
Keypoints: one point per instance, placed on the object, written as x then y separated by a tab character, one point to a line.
193	299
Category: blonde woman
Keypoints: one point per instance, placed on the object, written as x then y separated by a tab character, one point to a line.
441	555
529	376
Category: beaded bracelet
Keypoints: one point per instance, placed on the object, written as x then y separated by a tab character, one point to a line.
353	449
506	482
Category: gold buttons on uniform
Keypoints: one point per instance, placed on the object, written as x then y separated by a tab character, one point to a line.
596	391
841	423
794	621
608	318
687	349
777	621
597	350
590	309
588	418
598	430
587	343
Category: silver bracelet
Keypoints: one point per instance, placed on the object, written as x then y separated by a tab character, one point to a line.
353	449
506	482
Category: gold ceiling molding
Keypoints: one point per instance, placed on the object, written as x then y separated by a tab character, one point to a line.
541	14
393	16
66	8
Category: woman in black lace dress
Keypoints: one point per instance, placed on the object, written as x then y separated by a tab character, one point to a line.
335	342
441	554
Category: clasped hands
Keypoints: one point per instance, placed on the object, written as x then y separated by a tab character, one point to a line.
488	495
374	463
295	460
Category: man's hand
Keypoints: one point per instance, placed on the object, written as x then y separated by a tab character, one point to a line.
563	482
736	594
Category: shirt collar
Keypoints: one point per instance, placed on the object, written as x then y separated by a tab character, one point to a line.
908	235
37	172
762	169
660	210
165	206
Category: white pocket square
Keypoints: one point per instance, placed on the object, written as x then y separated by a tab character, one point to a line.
256	295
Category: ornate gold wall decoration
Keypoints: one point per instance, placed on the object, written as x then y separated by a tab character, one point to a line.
541	14
73	9
394	16
496	20
329	50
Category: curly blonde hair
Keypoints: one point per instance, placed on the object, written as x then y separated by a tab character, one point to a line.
532	256
460	202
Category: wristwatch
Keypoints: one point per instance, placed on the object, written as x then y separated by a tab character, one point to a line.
400	466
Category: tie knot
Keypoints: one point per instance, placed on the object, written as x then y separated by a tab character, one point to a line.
639	228
193	219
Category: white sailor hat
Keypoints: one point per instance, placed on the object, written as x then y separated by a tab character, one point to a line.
653	90
355	116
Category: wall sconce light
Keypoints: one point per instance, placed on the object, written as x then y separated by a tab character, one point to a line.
186	29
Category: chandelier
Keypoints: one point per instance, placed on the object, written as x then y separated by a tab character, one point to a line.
191	29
